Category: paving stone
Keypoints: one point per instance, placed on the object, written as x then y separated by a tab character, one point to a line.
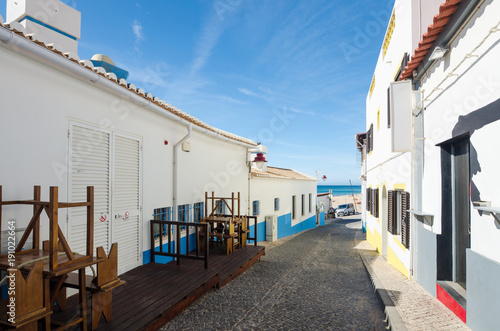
417	308
314	280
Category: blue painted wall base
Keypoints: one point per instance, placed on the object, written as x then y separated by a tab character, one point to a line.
322	218
286	229
146	255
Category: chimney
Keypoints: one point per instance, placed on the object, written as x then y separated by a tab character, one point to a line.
51	21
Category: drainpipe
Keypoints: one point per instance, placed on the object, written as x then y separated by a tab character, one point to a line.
416	177
174	194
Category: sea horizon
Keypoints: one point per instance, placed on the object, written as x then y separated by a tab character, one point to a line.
339	189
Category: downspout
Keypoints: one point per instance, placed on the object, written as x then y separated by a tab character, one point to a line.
174	193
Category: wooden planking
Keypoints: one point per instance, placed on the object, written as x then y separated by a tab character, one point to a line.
155	293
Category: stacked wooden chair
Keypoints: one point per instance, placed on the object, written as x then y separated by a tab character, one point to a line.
26	303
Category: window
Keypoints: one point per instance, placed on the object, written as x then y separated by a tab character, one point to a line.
276	203
198	211
294	198
256	208
183	214
372	200
163	214
375	202
369	139
221	207
398	216
303	202
368	199
310	202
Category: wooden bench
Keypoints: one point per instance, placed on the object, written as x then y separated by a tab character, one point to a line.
101	286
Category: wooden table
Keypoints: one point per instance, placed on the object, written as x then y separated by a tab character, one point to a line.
234	227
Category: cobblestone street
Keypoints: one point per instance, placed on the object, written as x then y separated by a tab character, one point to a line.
315	280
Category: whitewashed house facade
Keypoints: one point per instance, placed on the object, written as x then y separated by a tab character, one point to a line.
450	89
70	123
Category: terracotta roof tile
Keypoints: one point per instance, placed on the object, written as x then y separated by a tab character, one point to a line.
273	172
446	9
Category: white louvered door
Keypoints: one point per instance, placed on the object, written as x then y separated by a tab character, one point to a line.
126	201
89	165
111	163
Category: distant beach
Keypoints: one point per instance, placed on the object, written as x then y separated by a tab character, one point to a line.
339	189
342	194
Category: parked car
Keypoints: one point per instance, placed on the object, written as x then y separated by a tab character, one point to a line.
344	210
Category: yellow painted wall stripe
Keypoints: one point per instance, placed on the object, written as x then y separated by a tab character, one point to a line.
396	263
396	240
401	186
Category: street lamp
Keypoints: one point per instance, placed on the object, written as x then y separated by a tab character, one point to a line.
260	160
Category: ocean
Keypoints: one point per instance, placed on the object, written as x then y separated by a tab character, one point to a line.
339	189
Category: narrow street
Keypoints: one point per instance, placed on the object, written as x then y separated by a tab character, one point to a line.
315	280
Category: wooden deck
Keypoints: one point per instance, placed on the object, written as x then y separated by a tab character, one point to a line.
155	293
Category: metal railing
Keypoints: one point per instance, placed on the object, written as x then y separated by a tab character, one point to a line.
158	231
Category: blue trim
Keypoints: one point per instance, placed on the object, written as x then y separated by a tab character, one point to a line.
286	229
146	255
34	20
261	232
322	218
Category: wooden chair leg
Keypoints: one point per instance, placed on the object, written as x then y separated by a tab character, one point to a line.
96	309
108	304
102	303
83	297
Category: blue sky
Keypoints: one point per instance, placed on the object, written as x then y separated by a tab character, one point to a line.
292	75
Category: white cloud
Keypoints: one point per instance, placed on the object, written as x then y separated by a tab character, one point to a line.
247	91
298	111
138	34
210	36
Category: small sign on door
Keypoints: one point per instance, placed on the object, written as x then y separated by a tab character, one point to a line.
127	215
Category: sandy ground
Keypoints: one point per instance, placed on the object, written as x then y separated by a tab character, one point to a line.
342	199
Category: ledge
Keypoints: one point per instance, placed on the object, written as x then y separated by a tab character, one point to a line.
422	216
419	213
493	211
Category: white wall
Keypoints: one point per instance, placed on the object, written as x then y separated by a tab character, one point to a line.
384	167
267	189
326	201
476	85
37	105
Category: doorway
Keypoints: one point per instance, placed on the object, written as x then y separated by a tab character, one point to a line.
455	212
461	208
110	162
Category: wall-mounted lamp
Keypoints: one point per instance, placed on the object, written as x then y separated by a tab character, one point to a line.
260	160
438	53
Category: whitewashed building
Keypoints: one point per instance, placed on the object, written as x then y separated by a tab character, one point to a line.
450	90
283	200
71	123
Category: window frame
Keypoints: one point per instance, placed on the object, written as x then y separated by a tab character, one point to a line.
256	208
303	202
198	211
